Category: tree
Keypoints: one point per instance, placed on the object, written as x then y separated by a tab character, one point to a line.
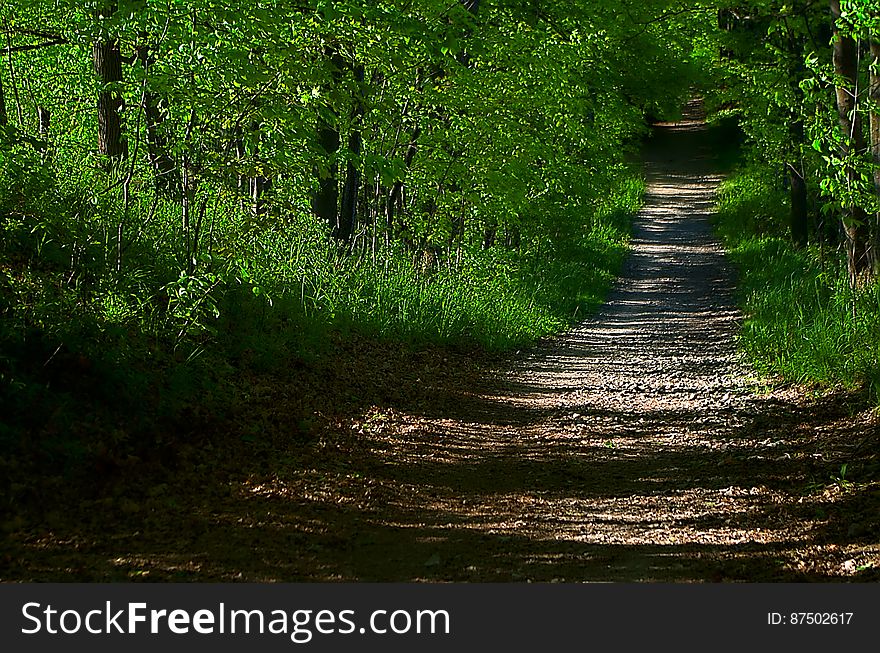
108	68
852	143
874	130
325	202
4	119
348	219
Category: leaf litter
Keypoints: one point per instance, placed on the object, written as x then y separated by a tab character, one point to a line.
638	446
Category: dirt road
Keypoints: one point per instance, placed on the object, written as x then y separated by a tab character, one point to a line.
633	448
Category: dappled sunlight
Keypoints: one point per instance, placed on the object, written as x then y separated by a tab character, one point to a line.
632	448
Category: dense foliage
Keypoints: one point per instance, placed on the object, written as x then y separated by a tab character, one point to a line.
805	323
801	79
193	188
189	189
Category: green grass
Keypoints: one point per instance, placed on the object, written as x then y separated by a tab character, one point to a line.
96	359
803	322
494	299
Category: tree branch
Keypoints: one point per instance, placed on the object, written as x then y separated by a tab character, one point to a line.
35	46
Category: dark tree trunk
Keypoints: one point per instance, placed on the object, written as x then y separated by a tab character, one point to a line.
325	203
489	235
44	118
512	237
348	212
471	5
238	145
799	224
874	92
326	200
165	173
108	67
259	187
855	225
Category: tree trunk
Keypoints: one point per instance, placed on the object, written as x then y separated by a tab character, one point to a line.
799	224
489	234
108	67
512	238
165	173
855	227
874	92
473	6
395	197
259	186
44	117
326	199
238	145
325	203
348	213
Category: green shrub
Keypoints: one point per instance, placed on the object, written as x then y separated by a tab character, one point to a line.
803	321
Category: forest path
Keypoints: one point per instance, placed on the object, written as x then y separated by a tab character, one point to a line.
632	448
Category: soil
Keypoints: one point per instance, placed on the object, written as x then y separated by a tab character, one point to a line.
638	446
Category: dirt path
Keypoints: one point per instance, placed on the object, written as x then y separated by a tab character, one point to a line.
633	448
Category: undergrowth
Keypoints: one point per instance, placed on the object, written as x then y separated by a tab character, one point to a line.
115	346
803	321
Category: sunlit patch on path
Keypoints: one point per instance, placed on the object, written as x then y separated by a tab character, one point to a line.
632	448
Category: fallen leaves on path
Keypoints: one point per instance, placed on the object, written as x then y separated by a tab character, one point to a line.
636	447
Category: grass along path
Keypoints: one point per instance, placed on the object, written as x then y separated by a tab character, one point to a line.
633	448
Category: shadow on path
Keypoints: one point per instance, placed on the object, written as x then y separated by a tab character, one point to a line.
633	448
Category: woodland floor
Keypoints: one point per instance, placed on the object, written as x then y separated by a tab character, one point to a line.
636	447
